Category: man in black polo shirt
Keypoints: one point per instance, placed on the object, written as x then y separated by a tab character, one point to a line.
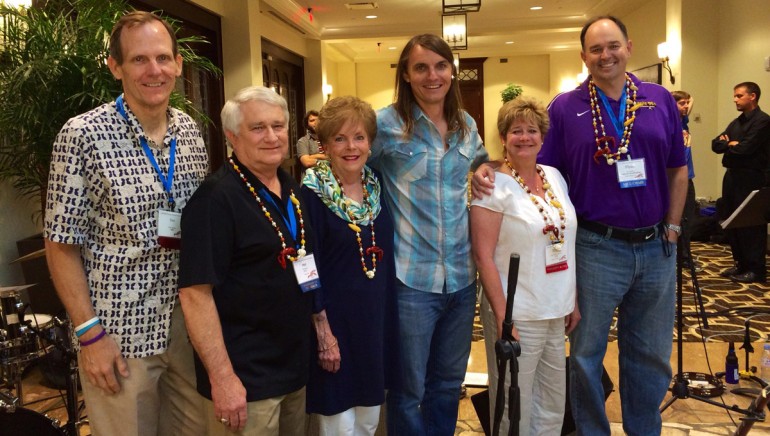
744	146
248	318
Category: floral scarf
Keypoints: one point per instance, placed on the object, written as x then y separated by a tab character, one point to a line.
321	181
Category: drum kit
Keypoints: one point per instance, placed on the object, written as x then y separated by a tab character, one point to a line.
24	340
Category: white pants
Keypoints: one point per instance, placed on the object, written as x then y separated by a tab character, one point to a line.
542	374
356	421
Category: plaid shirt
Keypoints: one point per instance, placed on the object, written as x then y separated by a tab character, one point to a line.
426	190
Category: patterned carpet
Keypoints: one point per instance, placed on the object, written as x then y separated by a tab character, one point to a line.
727	305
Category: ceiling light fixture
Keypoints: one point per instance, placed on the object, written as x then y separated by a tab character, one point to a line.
535	8
455	30
457	6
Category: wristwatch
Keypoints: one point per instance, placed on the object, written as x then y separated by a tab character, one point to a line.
677	229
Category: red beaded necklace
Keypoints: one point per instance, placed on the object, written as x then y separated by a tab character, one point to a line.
374	250
286	252
603	142
556	234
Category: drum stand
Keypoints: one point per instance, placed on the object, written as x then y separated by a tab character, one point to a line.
64	344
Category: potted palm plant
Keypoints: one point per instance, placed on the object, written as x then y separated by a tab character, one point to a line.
52	67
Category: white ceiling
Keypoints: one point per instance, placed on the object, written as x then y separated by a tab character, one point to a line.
556	27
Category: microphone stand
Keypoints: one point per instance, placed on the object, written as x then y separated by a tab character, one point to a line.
507	349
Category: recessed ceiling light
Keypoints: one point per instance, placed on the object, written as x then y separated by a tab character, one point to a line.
392	48
509	42
371	16
535	8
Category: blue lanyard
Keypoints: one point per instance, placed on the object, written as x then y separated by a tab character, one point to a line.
617	120
291	223
166	181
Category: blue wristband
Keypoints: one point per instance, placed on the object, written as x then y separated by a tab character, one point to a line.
86	327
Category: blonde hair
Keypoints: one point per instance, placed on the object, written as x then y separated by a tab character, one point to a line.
523	108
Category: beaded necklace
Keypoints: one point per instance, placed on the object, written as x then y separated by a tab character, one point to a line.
374	250
603	147
286	252
555	234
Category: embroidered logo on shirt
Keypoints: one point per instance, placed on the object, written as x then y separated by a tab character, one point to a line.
580	114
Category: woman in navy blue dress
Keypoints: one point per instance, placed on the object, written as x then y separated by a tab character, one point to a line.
354	311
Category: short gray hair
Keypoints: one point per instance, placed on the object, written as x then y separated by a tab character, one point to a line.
231	112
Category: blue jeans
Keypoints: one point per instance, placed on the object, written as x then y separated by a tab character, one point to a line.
638	279
435	341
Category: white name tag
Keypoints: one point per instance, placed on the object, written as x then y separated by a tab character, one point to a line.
169	229
555	258
631	173
307	273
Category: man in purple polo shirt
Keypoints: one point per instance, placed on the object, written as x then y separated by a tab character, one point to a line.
619	144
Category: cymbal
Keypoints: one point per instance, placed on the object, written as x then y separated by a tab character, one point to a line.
30	256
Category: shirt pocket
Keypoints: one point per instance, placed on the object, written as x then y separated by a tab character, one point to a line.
411	161
466	148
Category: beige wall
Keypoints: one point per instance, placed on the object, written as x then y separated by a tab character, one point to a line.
699	77
530	72
375	81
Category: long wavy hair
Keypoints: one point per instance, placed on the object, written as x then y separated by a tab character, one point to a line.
404	97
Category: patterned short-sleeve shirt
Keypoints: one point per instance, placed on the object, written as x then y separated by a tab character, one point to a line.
104	195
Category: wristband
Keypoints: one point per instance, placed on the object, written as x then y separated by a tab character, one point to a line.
86	326
94	339
79	327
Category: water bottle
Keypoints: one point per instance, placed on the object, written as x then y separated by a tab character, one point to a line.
764	369
731	364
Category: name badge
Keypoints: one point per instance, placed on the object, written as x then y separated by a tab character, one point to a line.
631	173
555	258
170	229
307	273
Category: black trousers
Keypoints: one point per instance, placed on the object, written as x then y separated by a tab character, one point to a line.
748	244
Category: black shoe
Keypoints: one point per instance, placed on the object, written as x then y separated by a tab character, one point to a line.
747	277
729	272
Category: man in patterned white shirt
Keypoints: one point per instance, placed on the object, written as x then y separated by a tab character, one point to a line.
120	176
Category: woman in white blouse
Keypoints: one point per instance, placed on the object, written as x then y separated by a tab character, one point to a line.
528	213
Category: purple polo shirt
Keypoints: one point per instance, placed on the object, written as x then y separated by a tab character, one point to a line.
593	188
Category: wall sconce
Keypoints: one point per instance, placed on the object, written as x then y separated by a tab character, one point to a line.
456	61
663	50
455	30
455	6
327	90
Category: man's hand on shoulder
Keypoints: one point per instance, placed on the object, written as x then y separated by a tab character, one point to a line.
483	180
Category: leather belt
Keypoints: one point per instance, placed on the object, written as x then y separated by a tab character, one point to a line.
642	234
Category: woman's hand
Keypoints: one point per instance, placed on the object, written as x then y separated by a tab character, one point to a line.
329	354
571	321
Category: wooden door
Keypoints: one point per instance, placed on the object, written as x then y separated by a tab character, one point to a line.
284	71
470	75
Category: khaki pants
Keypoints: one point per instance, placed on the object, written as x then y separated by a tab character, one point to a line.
284	416
157	398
